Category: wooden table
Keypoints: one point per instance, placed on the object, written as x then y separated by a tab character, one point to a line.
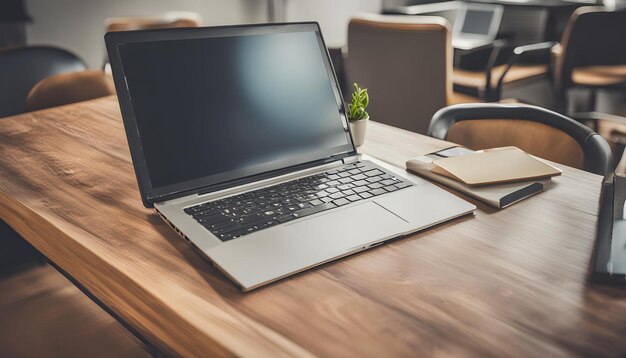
510	282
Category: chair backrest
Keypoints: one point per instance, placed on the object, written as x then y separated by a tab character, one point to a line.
536	130
405	63
594	36
167	20
170	19
22	67
69	88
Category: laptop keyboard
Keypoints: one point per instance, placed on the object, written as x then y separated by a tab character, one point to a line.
242	214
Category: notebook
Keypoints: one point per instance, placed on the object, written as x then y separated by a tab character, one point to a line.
491	166
496	195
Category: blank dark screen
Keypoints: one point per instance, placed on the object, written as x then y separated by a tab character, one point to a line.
227	107
477	22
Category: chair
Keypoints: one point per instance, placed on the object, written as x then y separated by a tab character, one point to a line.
69	88
536	130
170	19
22	67
405	62
592	53
489	83
167	20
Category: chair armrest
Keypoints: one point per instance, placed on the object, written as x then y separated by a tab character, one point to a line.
519	53
541	47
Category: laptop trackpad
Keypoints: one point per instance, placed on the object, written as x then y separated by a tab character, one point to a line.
351	227
276	252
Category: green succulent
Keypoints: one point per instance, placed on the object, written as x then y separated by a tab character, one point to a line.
360	100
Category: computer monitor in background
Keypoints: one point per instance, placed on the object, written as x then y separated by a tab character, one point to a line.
476	25
477	21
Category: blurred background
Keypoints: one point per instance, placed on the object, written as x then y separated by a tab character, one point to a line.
80	25
567	56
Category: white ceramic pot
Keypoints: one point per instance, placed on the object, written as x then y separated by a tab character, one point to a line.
358	129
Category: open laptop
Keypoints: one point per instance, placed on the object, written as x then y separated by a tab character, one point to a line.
609	259
476	25
240	141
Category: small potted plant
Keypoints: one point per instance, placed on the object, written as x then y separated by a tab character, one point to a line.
357	114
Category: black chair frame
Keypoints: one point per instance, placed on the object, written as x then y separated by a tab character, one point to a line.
23	67
598	156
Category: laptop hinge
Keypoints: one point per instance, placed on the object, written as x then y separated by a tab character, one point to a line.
352	159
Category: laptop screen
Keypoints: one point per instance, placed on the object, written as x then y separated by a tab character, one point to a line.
477	22
210	110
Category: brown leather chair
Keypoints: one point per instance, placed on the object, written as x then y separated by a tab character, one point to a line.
166	20
592	53
536	130
22	67
171	19
69	88
405	62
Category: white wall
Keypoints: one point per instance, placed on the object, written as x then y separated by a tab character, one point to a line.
333	15
78	25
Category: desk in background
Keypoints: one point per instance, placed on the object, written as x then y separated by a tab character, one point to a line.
523	21
532	21
510	282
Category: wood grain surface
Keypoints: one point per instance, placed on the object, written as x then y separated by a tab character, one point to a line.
510	282
44	315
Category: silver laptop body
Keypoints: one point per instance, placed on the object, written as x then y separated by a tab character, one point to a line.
476	25
159	76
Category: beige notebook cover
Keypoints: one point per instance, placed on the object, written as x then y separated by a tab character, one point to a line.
497	165
497	195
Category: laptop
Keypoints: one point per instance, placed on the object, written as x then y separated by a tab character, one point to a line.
609	258
476	25
240	142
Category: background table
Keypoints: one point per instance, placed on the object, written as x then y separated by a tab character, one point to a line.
524	22
510	282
